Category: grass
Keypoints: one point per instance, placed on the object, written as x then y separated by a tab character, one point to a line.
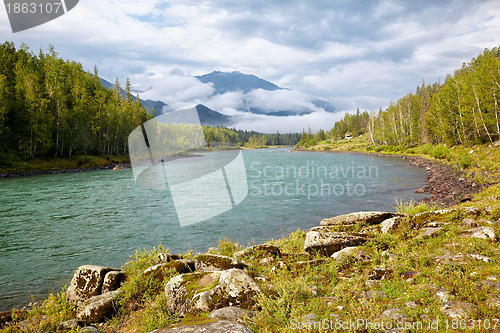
412	207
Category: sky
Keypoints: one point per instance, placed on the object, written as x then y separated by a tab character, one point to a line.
354	54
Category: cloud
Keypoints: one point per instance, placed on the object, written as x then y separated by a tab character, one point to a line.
355	53
291	124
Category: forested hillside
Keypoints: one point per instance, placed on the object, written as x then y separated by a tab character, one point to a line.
463	109
52	107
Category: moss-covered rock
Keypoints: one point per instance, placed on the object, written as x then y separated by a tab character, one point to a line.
359	218
260	250
323	240
206	291
180	266
214	262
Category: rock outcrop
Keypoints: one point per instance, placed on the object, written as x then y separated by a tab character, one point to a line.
180	266
352	252
359	218
323	240
232	313
214	262
87	282
487	233
206	291
95	309
258	250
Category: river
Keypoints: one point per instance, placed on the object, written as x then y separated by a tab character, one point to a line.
51	224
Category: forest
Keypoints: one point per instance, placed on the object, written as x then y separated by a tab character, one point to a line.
50	107
464	109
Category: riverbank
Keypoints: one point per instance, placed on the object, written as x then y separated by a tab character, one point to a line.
84	163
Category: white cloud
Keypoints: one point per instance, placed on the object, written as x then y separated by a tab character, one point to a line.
292	124
356	53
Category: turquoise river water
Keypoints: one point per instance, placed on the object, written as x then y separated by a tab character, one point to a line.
51	224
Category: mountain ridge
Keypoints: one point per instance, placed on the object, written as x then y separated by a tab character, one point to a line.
236	81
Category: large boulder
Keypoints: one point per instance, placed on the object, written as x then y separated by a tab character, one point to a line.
221	326
214	262
206	291
323	240
359	218
95	309
87	282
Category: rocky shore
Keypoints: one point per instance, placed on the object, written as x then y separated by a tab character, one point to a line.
232	290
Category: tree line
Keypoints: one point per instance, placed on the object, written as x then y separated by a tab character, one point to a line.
52	107
462	109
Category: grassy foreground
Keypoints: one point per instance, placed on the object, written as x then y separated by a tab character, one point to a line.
326	291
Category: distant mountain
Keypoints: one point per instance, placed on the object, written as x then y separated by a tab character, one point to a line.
224	82
236	81
209	117
147	104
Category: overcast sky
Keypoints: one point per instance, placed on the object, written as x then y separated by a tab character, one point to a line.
352	53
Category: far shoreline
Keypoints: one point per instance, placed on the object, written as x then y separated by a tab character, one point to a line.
120	166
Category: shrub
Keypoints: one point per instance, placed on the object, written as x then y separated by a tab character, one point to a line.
425	149
440	151
411	207
465	161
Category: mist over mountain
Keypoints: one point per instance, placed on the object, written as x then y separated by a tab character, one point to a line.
258	96
239	100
